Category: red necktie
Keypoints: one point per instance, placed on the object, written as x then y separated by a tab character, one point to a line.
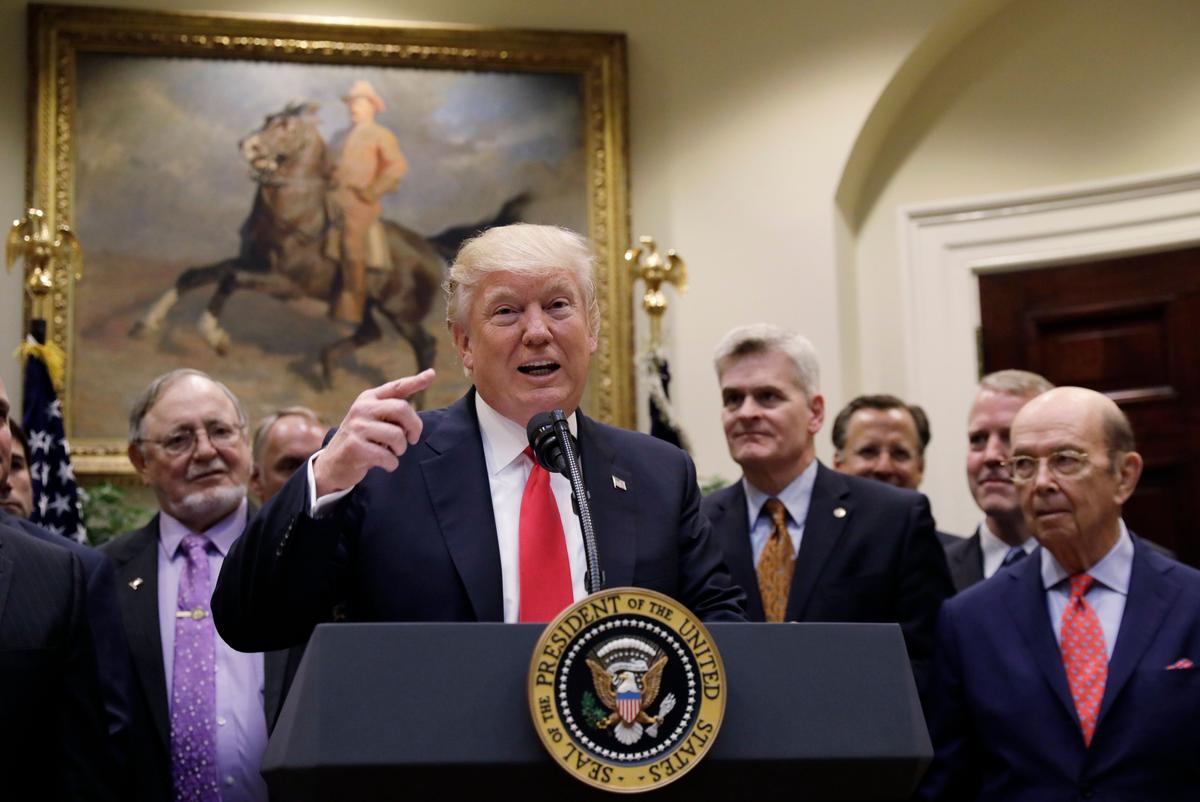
545	570
1084	657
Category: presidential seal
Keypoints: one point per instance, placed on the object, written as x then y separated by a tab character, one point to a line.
627	690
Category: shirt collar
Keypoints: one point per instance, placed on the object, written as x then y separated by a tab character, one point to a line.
222	534
1113	570
992	545
503	439
795	497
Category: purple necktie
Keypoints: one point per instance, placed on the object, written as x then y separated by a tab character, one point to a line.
193	686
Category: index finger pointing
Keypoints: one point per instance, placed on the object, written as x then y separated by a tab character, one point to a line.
409	385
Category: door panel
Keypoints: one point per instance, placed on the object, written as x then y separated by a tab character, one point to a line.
1130	328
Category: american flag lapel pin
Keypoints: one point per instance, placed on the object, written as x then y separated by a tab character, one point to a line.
619	483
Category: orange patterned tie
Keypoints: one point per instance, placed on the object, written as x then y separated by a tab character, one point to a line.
1084	657
776	563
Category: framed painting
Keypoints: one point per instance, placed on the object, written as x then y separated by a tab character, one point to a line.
177	145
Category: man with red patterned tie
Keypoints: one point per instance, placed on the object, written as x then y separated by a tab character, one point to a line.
443	515
1072	674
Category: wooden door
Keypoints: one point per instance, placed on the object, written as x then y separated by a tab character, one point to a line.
1130	328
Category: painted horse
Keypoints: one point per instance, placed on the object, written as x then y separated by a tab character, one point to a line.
283	250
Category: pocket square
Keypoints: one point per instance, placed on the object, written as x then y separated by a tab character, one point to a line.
1181	664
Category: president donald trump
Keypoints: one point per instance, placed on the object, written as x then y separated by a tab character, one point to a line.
1071	674
443	515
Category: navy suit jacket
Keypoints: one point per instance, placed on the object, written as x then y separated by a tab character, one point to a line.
107	636
419	543
1003	721
879	561
52	733
135	555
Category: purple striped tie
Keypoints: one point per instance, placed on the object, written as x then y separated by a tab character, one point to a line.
193	686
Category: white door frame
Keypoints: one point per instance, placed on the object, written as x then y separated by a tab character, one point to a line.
946	246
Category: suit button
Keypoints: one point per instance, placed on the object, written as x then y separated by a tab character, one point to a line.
1086	791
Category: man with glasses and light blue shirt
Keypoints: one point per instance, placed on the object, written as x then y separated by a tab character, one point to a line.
202	709
1072	674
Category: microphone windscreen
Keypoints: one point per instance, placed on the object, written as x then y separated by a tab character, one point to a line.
544	442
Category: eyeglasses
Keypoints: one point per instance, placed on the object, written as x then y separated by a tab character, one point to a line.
1061	464
182	441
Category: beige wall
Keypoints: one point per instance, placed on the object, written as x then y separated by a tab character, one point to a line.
1046	93
742	115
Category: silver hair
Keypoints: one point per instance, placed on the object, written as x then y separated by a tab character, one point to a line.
149	397
525	249
1021	383
761	337
264	426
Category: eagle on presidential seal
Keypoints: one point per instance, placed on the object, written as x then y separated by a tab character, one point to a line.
627	674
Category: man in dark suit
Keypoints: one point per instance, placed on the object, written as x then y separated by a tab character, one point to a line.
1073	674
1002	537
103	619
807	543
442	516
52	735
202	710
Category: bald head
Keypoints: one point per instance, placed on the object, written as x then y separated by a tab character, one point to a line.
1085	469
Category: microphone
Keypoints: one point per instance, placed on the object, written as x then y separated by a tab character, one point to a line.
544	442
554	448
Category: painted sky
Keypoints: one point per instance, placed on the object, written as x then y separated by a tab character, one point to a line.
158	169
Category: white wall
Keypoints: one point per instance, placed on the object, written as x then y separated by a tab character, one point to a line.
742	115
1047	93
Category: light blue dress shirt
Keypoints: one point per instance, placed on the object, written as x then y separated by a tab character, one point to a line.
1107	595
795	497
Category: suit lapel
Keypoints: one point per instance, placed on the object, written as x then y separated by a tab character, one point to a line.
1025	602
614	512
966	562
456	478
1151	594
139	608
730	522
822	527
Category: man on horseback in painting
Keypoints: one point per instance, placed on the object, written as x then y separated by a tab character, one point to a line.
365	164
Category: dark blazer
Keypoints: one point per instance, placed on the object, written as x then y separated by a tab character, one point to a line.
106	634
419	543
879	561
52	733
135	555
965	558
1003	722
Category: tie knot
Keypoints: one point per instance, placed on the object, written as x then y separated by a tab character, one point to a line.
195	545
778	513
1079	585
1015	554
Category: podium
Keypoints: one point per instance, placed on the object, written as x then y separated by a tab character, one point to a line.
406	711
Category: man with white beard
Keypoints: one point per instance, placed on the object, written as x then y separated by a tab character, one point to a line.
203	709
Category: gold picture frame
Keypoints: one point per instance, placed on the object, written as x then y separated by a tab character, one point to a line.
97	162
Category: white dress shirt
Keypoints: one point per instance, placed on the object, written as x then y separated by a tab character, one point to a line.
995	550
504	443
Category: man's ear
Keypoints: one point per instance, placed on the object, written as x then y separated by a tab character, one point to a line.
462	342
138	459
1129	470
838	460
817	407
256	483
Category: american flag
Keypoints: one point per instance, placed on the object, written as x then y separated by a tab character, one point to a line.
663	423
57	504
629	704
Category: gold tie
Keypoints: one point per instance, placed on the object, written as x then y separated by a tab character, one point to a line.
776	563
